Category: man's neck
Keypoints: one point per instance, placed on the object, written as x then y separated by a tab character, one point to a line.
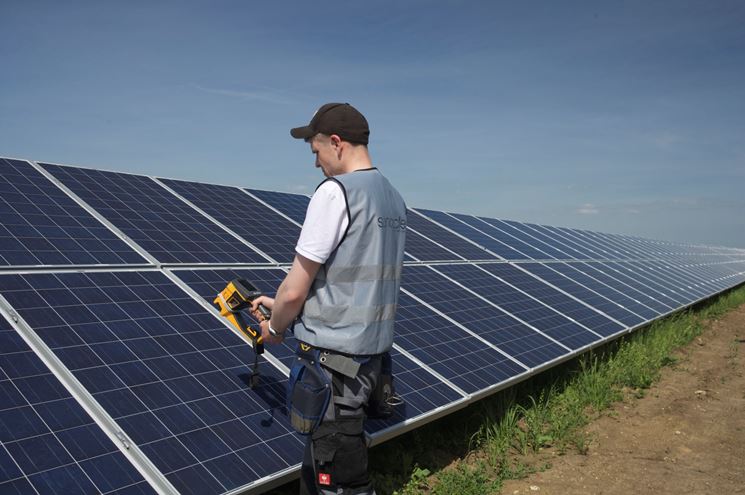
358	159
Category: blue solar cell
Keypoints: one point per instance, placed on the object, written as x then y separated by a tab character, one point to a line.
580	237
458	356
41	225
586	294
163	225
621	284
207	283
185	378
531	238
673	290
558	301
49	443
424	249
427	228
521	306
292	205
270	232
511	336
420	390
611	290
478	236
555	237
650	289
528	251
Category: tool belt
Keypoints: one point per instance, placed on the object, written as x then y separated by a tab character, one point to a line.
310	390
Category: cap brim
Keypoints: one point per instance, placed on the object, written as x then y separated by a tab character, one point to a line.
302	132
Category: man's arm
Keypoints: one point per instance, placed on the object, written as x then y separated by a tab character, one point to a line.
290	297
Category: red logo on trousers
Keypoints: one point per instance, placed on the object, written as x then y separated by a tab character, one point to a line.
324	479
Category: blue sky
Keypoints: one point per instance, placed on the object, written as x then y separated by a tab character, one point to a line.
623	117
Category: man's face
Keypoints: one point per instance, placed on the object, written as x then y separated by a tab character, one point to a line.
326	156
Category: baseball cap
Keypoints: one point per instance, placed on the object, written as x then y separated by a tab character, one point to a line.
341	119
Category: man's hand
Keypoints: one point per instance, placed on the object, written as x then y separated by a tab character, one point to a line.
268	303
265	301
269	338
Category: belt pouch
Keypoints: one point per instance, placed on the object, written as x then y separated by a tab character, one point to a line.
308	395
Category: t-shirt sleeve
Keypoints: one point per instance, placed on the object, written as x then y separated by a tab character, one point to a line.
325	223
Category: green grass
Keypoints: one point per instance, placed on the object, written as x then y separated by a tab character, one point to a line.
474	450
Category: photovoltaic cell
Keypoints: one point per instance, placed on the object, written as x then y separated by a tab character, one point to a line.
474	235
528	251
255	222
621	284
520	305
48	443
425	250
671	277
458	356
606	287
41	225
673	292
292	205
558	301
444	237
586	294
168	372
530	238
158	221
652	291
421	390
207	283
508	334
556	238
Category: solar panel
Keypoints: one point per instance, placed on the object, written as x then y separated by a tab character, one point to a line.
672	288
556	300
41	225
442	236
533	238
155	219
292	205
154	362
264	228
168	372
644	296
547	272
554	237
526	345
207	283
671	277
645	286
48	443
460	357
522	306
421	391
476	235
528	251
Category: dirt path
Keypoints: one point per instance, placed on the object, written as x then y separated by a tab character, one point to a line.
687	435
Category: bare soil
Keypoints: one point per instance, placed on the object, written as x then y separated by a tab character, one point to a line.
685	435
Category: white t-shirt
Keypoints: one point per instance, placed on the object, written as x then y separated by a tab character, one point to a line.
325	223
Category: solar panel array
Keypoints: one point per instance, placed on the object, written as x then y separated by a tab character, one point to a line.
117	375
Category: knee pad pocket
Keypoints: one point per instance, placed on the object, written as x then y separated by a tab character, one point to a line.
341	460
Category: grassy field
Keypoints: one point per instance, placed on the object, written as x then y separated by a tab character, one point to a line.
474	450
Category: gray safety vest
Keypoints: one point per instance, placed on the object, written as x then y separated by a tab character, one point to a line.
351	305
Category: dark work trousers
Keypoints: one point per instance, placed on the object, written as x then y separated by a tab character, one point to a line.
335	460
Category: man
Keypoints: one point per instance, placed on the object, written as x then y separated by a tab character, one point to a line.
345	280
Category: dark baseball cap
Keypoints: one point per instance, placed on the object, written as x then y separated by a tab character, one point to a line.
341	119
